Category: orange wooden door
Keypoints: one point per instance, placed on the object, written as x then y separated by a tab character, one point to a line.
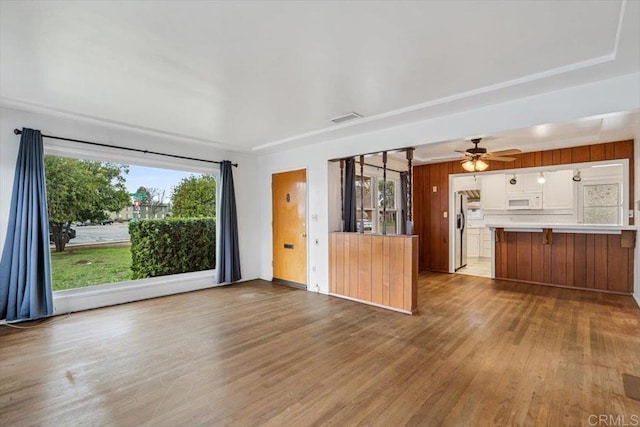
289	206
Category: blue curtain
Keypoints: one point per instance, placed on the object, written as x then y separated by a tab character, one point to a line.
229	259
349	203
25	267
404	192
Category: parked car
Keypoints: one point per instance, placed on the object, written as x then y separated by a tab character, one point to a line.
107	222
68	232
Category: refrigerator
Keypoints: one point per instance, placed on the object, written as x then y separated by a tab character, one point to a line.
461	230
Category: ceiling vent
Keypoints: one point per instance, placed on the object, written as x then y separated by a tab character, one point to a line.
346	118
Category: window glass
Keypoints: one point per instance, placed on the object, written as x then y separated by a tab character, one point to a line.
387	197
601	203
366	189
372	213
91	208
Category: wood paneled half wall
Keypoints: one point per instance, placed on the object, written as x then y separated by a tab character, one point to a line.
375	269
602	262
431	192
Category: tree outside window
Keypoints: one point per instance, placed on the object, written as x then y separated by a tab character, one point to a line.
372	187
387	199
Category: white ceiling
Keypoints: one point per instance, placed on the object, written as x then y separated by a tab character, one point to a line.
251	75
591	130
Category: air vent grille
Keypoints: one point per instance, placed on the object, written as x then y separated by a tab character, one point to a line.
346	118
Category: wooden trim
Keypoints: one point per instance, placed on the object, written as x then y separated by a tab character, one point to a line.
399	310
628	239
289	283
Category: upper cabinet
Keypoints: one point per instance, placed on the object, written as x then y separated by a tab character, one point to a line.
559	194
467	183
493	192
558	190
522	183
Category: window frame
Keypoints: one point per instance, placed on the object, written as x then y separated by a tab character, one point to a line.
601	181
377	211
133	290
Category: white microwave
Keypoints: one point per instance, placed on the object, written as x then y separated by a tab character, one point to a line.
524	201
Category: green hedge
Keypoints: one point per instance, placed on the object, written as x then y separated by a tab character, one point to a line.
174	245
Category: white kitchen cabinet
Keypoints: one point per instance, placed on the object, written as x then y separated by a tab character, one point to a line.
473	242
461	183
558	190
493	192
485	242
525	183
478	242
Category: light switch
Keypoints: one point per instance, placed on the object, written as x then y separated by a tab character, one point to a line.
445	214
435	189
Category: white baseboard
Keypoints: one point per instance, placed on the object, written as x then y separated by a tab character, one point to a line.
636	296
72	300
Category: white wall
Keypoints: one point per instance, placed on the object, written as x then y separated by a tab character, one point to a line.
636	210
244	176
617	94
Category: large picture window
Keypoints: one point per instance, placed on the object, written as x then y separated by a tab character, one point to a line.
111	222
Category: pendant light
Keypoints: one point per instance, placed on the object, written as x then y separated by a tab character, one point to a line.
541	178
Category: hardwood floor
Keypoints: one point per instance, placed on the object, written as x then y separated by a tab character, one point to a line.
480	352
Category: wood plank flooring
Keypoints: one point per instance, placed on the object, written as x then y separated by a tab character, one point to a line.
480	352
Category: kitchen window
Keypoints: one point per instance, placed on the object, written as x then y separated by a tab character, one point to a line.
601	203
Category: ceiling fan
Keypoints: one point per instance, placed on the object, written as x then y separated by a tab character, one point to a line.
474	158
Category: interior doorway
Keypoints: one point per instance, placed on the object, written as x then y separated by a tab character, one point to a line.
289	213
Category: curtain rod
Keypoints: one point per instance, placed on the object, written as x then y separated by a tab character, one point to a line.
18	132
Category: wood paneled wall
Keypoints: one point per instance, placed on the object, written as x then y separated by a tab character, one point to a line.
429	207
376	269
587	261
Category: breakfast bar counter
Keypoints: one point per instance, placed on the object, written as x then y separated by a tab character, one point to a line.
584	256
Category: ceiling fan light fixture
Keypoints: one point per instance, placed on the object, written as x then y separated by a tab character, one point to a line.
541	179
474	165
480	165
469	166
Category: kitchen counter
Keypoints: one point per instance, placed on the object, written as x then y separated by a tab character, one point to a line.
585	256
563	228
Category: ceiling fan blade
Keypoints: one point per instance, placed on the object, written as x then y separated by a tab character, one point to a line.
460	151
500	158
506	152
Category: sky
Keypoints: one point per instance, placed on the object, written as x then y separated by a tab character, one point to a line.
164	179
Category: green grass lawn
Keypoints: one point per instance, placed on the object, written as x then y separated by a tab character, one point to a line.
77	268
